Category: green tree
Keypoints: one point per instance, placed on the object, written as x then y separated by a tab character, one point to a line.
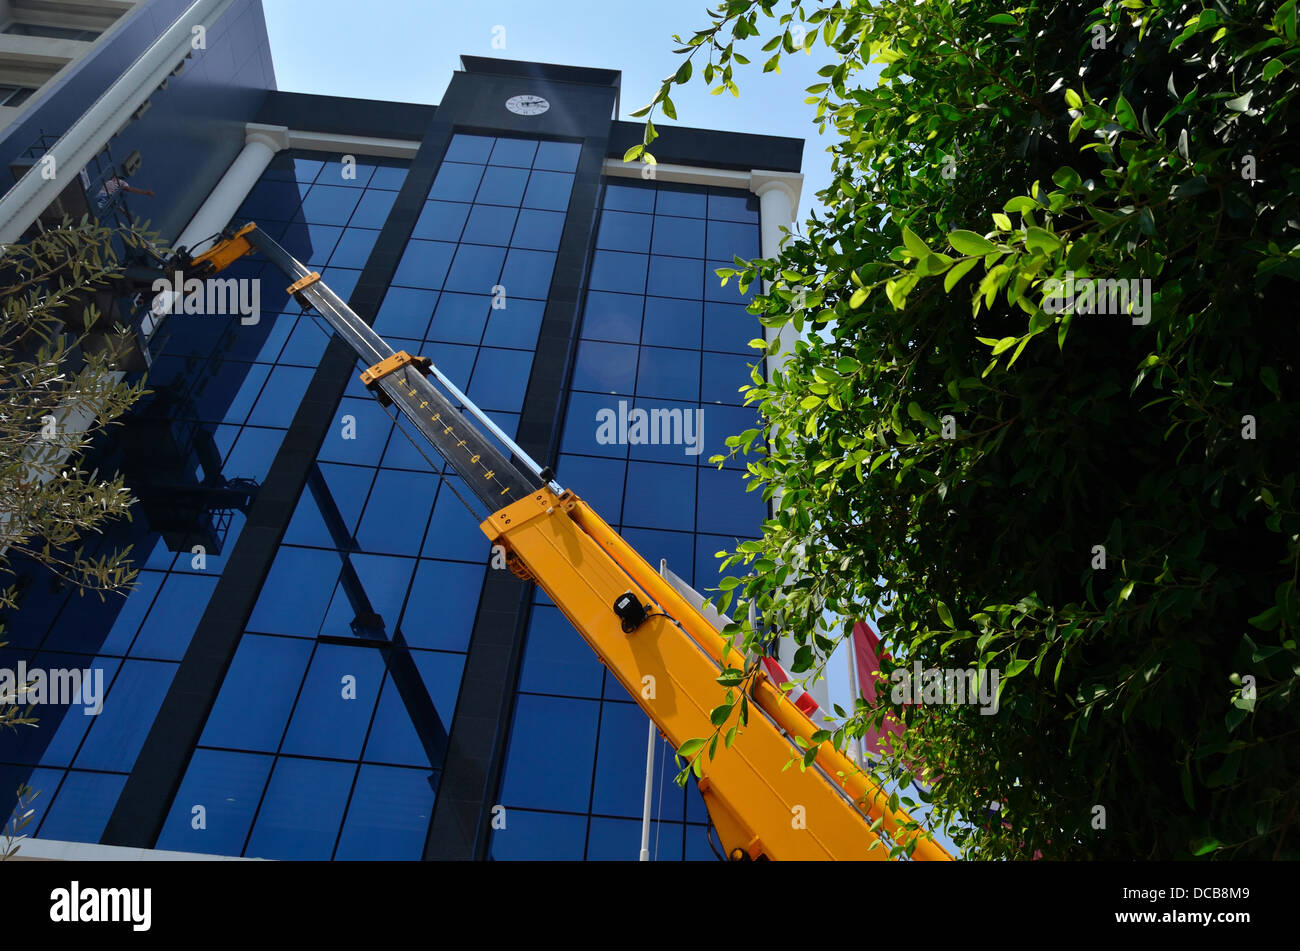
60	388
1099	502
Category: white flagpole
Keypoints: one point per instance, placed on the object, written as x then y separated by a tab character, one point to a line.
649	787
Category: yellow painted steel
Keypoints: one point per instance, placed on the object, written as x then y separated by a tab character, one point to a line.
759	807
225	252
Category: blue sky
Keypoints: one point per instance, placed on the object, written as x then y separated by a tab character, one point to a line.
409	49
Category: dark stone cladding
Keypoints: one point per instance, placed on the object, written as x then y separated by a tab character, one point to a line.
680	145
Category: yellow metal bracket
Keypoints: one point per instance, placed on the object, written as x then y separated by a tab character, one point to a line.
370	377
303	282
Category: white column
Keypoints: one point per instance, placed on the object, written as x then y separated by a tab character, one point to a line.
261	142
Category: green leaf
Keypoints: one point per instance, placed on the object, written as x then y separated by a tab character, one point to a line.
957	272
968	242
1003	19
858	298
683	72
632	153
1206	846
914	244
691	747
944	614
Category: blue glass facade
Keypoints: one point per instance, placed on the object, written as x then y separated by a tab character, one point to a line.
327	729
658	333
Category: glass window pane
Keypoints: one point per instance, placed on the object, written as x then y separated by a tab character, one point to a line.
166	632
515	325
670	374
310	242
338	696
582	423
727	239
618	271
272	200
296	592
730	327
456	182
454	533
389	816
500	379
723	375
537	229
671	322
280	397
687	201
729	293
677	548
598	481
129	709
558	156
396	512
549	190
80	811
683	237
502	186
389	177
354	247
405	312
676	277
725	508
433	620
528	273
543	725
299	818
443	220
329	204
257	694
469	148
490	224
372	210
476	268
624	231
540	835
605	367
424	264
289	167
228	786
518	152
615	317
354	174
660	496
556	658
733	206
459	318
622	196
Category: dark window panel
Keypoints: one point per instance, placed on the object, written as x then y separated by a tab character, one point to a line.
516	152
555	837
733	206
273	200
341	280
300	815
730	327
723	421
558	156
397	512
296	593
328	204
724	374
539	230
515	325
280	397
660	496
388	177
228	786
500	379
354	174
677	547
405	312
459	318
528	273
624	231
475	269
725	508
335	704
129	710
502	186
61	727
469	148
454	533
372	210
686	201
729	293
580	426
668	374
286	166
619	788
728	239
80	811
671	322
490	224
257	694
542	726
166	632
424	264
80	626
456	182
389	815
680	237
309	242
432	619
614	317
556	659
443	220
598	481
618	271
306	345
675	277
605	368
620	196
549	190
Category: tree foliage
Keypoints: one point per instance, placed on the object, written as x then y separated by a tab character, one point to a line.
1100	506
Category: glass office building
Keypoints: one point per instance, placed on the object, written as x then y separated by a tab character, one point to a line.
319	660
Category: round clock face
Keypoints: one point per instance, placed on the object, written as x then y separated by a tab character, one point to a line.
527	105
